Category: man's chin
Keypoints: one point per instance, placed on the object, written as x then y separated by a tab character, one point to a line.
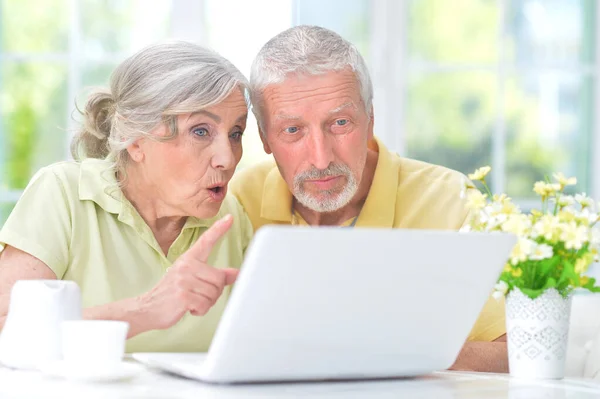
322	203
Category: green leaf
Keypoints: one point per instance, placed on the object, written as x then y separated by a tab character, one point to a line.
591	285
567	275
550	283
549	265
532	293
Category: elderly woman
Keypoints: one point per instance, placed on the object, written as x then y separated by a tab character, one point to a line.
130	221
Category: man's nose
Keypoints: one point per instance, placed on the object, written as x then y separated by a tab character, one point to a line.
320	149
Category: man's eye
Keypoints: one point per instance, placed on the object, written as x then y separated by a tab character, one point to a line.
200	131
292	129
341	122
236	135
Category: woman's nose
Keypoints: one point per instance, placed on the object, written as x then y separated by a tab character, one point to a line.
223	157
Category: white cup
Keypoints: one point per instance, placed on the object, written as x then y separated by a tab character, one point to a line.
31	334
94	344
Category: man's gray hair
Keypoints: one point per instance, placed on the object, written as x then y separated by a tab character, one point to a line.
310	50
150	88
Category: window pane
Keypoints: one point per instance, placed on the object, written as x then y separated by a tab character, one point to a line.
551	31
5	209
453	31
97	74
450	119
33	119
34	26
122	26
241	46
548	121
349	18
253	147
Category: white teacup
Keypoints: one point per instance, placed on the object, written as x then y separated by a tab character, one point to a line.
94	344
31	334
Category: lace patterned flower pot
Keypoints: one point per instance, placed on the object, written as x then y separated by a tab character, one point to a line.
537	332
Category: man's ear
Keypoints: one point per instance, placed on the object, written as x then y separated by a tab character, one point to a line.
135	150
263	138
371	123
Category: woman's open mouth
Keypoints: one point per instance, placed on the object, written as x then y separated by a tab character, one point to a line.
217	192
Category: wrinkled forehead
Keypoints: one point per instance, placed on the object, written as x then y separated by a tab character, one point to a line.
335	88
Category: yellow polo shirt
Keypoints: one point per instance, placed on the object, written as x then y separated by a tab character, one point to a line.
405	193
74	218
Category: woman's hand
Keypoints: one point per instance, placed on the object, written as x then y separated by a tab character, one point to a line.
190	285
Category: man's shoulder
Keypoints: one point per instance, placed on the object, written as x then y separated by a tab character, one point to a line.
429	195
251	179
248	184
425	176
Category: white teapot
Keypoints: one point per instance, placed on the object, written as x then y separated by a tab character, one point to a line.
31	335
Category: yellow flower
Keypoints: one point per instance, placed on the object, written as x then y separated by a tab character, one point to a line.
565	200
574	236
541	251
546	189
480	173
584	280
564	181
548	226
517	224
517	272
566	216
584	200
507	268
585	217
581	265
476	200
503	204
521	251
467	186
536	214
500	290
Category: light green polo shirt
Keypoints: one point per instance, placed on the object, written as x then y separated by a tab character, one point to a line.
73	217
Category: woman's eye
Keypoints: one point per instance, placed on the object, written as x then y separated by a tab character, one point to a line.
200	131
341	122
291	129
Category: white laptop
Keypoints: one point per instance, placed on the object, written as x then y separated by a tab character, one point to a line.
336	303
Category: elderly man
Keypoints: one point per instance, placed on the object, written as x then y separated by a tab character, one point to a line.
312	96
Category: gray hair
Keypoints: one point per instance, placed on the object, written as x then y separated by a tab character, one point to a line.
149	88
310	50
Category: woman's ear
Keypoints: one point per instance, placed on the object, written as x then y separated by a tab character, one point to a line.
136	152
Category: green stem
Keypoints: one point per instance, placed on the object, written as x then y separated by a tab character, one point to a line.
487	189
544	205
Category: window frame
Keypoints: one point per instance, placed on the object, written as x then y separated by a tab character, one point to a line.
390	72
186	23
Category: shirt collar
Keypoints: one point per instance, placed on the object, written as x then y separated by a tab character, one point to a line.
378	210
277	198
380	207
97	183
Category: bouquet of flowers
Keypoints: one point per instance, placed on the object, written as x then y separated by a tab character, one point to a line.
556	243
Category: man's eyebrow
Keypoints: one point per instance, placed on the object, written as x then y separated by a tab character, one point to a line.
343	106
285	116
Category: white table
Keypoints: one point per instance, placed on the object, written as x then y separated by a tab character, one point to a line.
154	385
